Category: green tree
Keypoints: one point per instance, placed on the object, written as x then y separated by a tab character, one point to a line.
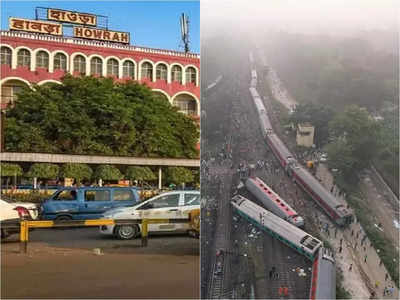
179	175
359	131
316	114
43	171
140	173
341	156
76	171
87	115
8	170
107	172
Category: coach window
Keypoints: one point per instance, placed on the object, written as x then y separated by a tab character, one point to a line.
112	67
24	58
128	69
191	75
42	60
6	56
161	72
177	74
60	62
80	64
147	71
96	66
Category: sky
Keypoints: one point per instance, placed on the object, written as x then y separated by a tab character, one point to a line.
153	24
308	16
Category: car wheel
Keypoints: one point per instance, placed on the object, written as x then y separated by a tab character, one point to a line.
126	232
63	218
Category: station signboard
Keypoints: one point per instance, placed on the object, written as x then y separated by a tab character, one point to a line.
101	34
71	17
35	26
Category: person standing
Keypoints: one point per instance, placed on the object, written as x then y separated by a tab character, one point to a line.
351	267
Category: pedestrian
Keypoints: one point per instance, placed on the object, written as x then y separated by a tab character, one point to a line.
377	284
335	232
352	232
341	241
340	249
365	249
380	263
270	274
365	258
351	267
386	276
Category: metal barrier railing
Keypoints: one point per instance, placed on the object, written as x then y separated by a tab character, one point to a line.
25	225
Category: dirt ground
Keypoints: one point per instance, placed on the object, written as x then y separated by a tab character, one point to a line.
124	272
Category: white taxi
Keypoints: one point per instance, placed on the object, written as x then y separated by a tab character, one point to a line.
170	205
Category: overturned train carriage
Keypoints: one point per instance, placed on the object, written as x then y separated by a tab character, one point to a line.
323	280
278	228
273	202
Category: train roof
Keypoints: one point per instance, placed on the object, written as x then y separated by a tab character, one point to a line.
274	197
276	224
281	146
319	189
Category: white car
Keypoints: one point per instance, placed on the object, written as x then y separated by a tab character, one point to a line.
11	213
170	205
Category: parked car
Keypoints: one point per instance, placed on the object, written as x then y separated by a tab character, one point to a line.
83	203
170	205
11	213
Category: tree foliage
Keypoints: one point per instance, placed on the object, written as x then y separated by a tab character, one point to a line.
76	171
43	170
90	115
178	175
139	173
336	70
316	114
356	141
107	172
10	169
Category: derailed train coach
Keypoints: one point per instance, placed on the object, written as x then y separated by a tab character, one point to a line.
336	210
278	228
273	202
323	280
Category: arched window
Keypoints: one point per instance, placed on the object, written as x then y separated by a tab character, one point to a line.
186	104
24	58
147	71
96	66
60	62
6	56
161	72
191	75
112	67
9	91
80	64
177	74
128	69
42	60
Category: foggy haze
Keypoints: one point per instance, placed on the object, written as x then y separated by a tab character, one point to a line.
309	17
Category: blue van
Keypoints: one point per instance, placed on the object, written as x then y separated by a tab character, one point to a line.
81	203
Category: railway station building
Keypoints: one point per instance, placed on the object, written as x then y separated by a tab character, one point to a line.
31	55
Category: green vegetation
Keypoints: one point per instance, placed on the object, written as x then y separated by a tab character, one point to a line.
140	174
107	172
90	115
76	171
336	70
179	175
8	170
43	171
318	115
